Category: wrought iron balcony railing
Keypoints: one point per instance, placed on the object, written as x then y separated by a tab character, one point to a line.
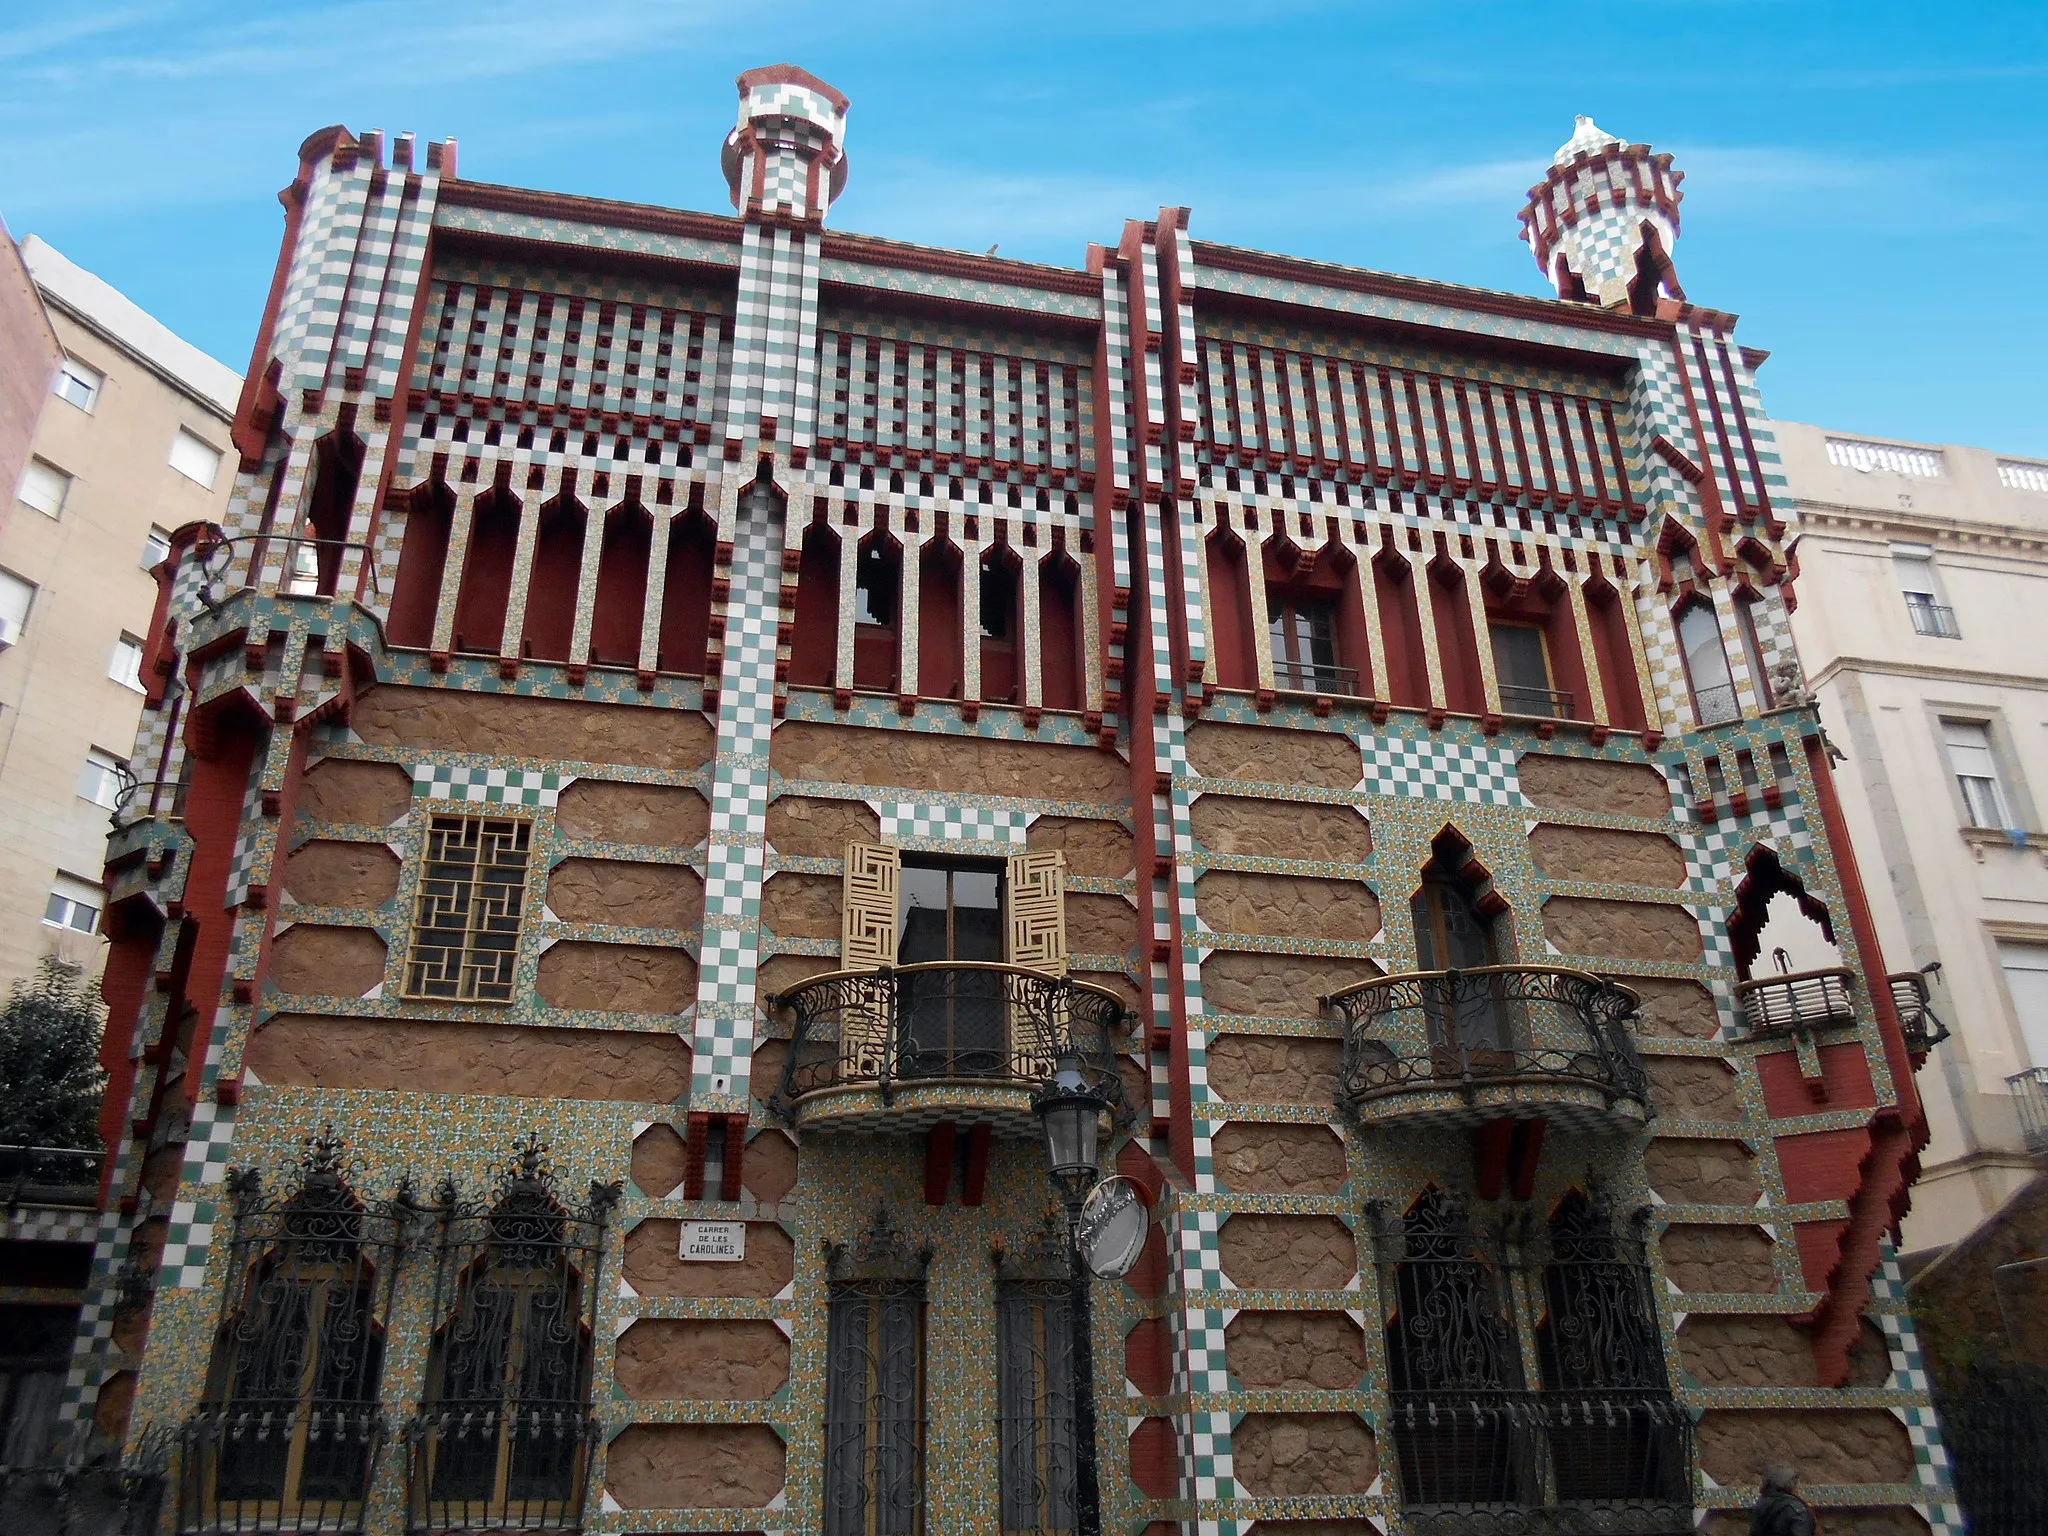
1935	619
50	1175
2030	1098
493	1466
1487	1039
1922	1025
1800	1000
1505	1462
1542	703
953	1024
1324	677
278	1464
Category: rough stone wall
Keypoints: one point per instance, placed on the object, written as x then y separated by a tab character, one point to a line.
510	725
316	960
1254	1157
1274	1069
1719	1260
695	1466
1689	1171
799	906
1098	848
1621	930
650	815
1282	1253
1591	784
837	754
1606	856
1285	906
1692	1088
799	826
1754	1350
1861	1445
653	1266
1675	1008
419	1056
1278	986
334	874
1297	829
357	794
1256	754
1277	1453
661	1159
704	1359
617	978
626	895
1295	1351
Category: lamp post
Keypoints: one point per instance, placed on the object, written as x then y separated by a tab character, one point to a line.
1070	1110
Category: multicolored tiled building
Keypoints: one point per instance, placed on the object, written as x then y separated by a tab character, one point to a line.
691	717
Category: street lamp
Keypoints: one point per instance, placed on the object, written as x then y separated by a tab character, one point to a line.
1070	1110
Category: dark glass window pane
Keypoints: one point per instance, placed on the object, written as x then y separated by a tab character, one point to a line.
977	915
923	899
1035	1398
1518	660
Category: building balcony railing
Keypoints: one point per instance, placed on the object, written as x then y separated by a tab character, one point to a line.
1800	1000
1923	1027
1541	703
1463	1047
1934	619
1319	677
51	1176
455	1453
905	1047
1495	1461
2030	1099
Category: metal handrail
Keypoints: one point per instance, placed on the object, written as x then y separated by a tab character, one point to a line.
1923	1027
67	1176
2030	1099
1816	999
945	1022
1490	1026
215	570
1315	677
1541	703
1935	619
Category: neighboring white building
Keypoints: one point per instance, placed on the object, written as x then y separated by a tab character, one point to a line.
1923	625
131	442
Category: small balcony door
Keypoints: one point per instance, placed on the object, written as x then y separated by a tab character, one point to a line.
952	1021
1451	935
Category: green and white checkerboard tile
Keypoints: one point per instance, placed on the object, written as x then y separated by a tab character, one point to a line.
1439	768
464	785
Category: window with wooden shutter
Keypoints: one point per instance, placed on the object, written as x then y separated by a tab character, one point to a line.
867	912
1036	930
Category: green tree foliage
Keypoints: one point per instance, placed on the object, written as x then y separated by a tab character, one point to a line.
50	1077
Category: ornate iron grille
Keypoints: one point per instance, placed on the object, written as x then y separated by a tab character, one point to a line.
1491	1025
874	1385
1616	1432
1035	1433
1464	1430
1600	1445
288	1433
472	895
946	1022
506	1430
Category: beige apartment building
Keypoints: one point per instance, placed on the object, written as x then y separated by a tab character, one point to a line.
1922	618
131	442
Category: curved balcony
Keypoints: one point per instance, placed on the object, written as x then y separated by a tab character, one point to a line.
1467	1047
904	1048
1923	1026
1798	1001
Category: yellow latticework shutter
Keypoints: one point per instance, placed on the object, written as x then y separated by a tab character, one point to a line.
1036	934
867	942
867	912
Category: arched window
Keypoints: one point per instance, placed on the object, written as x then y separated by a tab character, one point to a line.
315	564
1002	624
874	1384
1035	1443
487	573
1459	926
1232	661
685	640
1061	679
505	1428
621	602
877	595
553	581
814	638
1706	664
290	1425
422	563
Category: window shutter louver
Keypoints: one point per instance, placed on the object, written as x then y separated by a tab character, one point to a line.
1036	930
867	910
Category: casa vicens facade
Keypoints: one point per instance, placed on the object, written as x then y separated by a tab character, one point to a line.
692	718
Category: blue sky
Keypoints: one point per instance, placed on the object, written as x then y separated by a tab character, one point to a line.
1867	185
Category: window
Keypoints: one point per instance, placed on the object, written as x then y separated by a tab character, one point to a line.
35	1351
2026	981
290	1423
1753	649
952	1021
1920	585
1970	759
44	487
472	898
1035	1404
74	904
101	778
194	459
1706	665
998	597
125	666
874	1386
156	549
1451	934
79	384
1922	463
875	581
1303	631
16	598
505	1427
1521	668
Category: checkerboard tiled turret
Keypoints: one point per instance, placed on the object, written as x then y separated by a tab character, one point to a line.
1601	202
